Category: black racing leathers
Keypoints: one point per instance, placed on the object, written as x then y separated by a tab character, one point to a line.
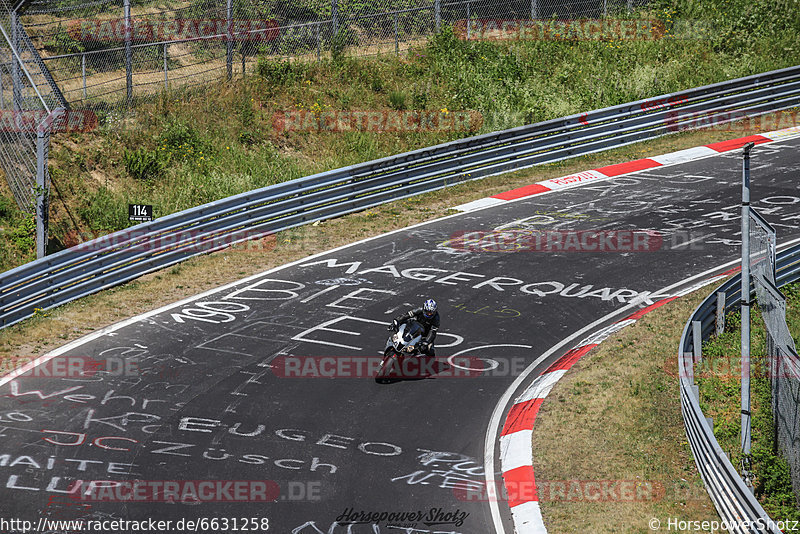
429	324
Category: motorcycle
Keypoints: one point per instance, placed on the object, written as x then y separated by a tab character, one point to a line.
403	346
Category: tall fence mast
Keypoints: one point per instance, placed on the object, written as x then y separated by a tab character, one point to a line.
745	314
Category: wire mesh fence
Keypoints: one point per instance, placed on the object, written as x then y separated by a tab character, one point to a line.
28	95
108	53
784	365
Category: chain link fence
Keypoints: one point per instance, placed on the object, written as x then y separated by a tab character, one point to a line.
31	106
783	362
108	53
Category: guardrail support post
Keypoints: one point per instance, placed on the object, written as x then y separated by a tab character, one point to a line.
128	50
697	341
720	312
229	38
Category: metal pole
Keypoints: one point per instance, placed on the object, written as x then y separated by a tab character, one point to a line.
166	75
41	197
2	95
745	314
16	75
534	9
128	50
229	51
83	74
243	58
319	42
437	6
469	22
396	35
335	17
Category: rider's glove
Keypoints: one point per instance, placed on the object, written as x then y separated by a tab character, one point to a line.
394	326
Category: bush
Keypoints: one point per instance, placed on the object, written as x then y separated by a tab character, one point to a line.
279	72
143	164
397	99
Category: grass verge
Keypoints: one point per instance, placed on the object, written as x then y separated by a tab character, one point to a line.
720	386
620	407
616	416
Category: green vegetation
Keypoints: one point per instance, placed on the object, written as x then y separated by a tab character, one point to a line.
720	395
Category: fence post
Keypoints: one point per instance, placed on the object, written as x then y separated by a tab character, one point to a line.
83	74
534	9
437	7
720	312
335	17
2	95
468	20
41	195
229	38
166	76
243	65
16	70
396	34
128	50
319	44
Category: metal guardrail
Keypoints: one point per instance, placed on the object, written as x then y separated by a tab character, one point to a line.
731	497
130	253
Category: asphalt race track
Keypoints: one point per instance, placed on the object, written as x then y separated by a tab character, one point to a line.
221	387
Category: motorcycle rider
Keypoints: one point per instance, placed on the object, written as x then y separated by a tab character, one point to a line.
428	317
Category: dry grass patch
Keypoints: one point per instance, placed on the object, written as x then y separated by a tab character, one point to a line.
616	416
